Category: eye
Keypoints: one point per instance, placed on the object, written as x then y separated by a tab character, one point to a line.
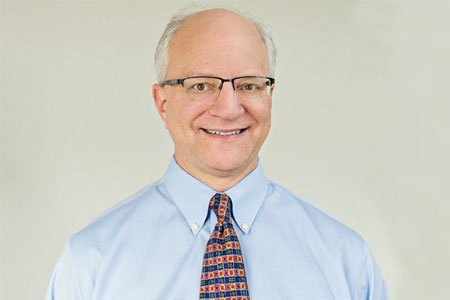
200	87
250	87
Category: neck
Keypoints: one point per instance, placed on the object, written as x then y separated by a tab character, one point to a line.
218	180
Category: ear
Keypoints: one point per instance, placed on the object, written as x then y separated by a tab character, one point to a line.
159	97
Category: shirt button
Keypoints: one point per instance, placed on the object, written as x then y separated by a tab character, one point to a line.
245	226
194	227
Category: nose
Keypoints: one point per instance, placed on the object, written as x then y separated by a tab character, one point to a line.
227	105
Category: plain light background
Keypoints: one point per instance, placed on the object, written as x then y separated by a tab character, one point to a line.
361	121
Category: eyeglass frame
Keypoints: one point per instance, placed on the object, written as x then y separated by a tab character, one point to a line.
173	82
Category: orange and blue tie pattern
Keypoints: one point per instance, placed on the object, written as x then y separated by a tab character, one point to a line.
223	271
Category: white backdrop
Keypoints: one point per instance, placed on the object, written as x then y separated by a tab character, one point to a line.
361	121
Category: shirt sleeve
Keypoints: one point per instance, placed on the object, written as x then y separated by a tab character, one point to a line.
371	285
64	284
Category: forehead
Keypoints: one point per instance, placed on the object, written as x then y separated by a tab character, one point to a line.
217	42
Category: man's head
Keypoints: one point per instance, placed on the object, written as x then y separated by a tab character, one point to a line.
217	129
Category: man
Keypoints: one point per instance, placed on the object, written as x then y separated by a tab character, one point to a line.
214	227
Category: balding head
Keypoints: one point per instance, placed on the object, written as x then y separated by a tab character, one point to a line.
217	42
208	18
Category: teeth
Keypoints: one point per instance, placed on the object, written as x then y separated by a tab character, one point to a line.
224	133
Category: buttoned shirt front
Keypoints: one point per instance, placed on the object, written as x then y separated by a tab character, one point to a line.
151	245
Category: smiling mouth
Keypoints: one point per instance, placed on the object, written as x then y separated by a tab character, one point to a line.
224	133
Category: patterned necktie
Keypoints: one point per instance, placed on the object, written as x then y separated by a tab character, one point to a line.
223	272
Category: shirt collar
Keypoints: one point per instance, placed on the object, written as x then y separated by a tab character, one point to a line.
192	196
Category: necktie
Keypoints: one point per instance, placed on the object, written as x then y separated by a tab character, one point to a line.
223	271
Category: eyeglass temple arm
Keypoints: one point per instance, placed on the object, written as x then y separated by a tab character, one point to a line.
173	82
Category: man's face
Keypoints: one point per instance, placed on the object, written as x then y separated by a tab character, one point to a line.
223	44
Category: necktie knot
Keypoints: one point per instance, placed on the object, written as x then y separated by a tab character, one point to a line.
221	205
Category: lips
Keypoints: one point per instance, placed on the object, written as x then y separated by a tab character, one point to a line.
224	132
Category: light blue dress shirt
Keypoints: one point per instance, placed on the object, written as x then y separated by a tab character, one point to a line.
151	245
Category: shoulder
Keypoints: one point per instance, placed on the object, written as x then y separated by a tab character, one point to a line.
327	239
314	223
120	220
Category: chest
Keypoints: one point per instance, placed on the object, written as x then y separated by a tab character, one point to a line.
169	267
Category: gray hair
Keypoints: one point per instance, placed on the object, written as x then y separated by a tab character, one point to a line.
162	50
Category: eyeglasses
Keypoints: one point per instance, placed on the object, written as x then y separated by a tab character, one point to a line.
207	87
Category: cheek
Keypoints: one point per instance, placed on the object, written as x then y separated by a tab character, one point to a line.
261	113
174	117
182	116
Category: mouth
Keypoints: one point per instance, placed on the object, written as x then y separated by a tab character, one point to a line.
224	133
